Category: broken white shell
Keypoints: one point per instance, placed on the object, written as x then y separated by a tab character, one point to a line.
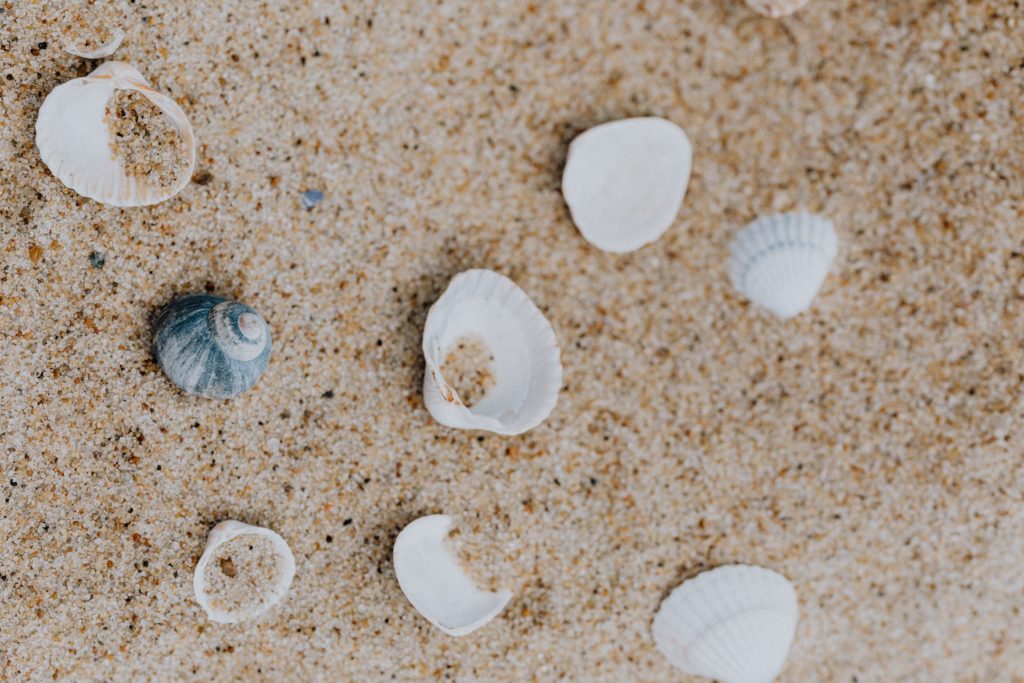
781	261
624	181
435	584
105	50
776	8
733	624
221	534
527	369
74	139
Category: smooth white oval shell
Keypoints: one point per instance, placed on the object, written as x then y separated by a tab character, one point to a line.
733	624
776	8
105	50
780	262
221	534
624	181
527	369
74	139
435	584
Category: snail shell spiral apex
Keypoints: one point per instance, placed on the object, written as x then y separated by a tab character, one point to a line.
211	346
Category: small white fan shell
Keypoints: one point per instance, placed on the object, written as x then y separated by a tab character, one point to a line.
105	50
780	262
624	181
734	624
221	534
435	584
527	368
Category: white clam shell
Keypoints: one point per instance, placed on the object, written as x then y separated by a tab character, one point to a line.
527	369
74	139
624	181
435	584
105	50
733	624
221	534
776	8
780	262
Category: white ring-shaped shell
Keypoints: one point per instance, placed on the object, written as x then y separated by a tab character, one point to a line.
527	368
435	584
105	50
776	8
221	534
624	181
733	624
74	139
780	262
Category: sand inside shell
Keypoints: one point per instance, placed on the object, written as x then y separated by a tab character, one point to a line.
468	368
241	573
486	554
146	140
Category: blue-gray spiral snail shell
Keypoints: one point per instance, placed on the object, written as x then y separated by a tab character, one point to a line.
211	346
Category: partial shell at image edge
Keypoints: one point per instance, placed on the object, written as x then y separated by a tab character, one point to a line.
105	50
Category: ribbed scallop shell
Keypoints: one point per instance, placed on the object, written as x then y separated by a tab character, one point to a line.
273	594
780	262
211	346
776	8
74	139
435	584
734	624
624	181
527	368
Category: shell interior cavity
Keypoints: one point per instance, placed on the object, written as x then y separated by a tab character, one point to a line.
733	624
106	49
525	373
244	571
624	181
75	139
776	8
211	346
780	262
431	578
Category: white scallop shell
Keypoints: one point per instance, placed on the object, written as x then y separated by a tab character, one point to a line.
780	262
435	584
776	8
733	624
624	181
527	368
221	534
105	50
74	139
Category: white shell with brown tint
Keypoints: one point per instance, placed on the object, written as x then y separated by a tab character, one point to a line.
526	370
734	624
74	138
431	578
271	595
105	50
776	8
624	181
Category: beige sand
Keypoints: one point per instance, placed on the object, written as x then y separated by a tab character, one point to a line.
242	573
870	450
146	140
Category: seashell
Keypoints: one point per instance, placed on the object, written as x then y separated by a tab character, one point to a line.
272	582
776	8
780	262
624	181
435	584
105	50
525	373
733	624
211	346
75	140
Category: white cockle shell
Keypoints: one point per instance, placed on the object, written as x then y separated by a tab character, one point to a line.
527	368
73	137
776	8
431	578
221	534
733	624
105	50
624	181
780	262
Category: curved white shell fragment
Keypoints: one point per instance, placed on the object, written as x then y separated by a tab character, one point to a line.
221	534
780	262
624	181
435	584
74	139
527	370
105	50
733	624
776	8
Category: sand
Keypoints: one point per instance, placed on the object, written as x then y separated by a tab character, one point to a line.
242	575
145	141
869	450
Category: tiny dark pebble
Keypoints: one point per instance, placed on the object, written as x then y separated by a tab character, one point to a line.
330	538
327	394
347	522
43	45
202	178
311	198
98	259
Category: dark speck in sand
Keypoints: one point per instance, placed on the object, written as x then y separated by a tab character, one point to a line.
311	198
98	259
